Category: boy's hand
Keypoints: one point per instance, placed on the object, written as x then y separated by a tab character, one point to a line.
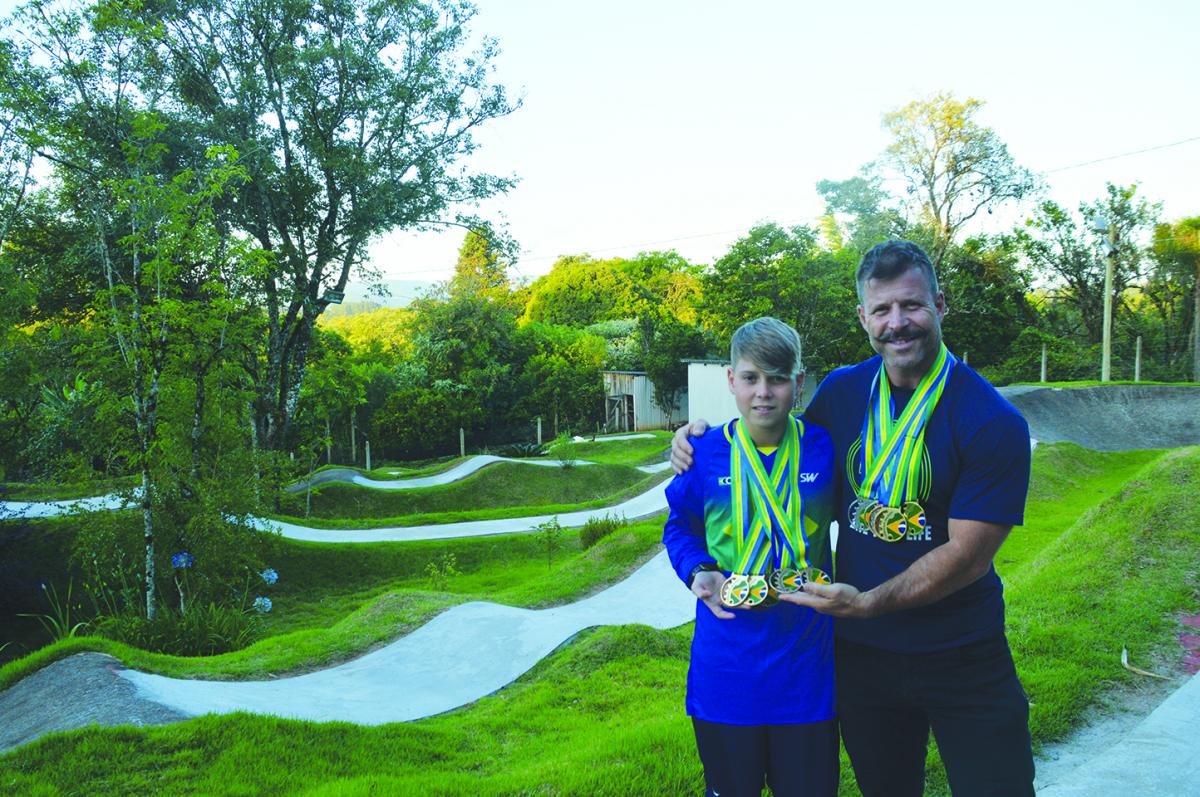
681	449
707	587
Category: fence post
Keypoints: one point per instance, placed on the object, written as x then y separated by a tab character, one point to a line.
1137	361
328	443
367	448
1043	363
539	430
965	356
462	442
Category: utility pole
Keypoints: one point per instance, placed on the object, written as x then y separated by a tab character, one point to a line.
1101	225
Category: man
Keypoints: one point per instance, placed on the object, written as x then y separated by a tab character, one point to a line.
935	469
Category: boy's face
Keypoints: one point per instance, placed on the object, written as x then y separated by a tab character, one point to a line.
764	400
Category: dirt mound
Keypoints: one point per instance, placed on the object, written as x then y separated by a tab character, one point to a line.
1112	417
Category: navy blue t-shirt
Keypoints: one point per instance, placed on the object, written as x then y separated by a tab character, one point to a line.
977	457
771	665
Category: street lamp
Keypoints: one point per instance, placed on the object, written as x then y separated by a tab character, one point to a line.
1101	225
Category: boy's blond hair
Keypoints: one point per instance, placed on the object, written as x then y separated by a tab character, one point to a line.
768	343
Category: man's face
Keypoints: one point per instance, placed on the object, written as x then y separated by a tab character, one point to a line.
903	319
764	400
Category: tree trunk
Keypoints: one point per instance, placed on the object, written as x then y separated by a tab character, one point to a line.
1196	326
197	428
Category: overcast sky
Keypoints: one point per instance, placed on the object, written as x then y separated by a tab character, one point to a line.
663	124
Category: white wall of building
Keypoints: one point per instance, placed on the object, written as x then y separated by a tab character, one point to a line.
708	393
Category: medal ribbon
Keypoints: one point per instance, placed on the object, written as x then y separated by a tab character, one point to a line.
891	448
768	508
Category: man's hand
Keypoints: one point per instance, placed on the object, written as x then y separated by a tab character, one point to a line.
707	587
681	449
838	600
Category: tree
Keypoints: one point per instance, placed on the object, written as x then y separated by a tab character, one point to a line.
1176	249
480	267
954	167
667	343
1066	250
783	273
864	200
353	117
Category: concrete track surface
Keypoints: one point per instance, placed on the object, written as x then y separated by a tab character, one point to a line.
1111	417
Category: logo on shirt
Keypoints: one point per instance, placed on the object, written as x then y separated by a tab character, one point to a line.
805	478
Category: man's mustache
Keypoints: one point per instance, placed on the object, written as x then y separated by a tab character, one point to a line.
907	333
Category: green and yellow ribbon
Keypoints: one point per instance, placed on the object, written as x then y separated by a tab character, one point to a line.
768	508
891	448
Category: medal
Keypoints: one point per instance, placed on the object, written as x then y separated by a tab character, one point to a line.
785	580
858	509
874	517
815	575
891	525
914	514
734	591
756	591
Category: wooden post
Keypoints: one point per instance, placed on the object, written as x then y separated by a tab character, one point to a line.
462	442
367	448
328	443
540	428
1043	362
966	355
353	442
1137	361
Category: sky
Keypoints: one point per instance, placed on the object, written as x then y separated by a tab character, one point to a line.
663	124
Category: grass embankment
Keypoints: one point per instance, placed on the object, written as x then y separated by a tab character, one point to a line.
333	603
405	470
604	715
638	451
504	485
67	491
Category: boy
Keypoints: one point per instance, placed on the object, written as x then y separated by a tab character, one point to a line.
749	521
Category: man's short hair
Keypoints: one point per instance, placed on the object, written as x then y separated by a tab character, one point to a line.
768	343
890	259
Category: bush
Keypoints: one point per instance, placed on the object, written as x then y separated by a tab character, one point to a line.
522	450
598	528
204	631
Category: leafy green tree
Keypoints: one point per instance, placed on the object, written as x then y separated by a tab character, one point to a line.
784	273
1069	253
354	118
667	343
953	166
865	205
1174	287
481	266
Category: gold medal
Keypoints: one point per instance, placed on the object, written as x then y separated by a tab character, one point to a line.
873	518
785	580
890	525
734	590
914	515
756	591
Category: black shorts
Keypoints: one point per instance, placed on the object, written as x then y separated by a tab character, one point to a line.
794	760
969	696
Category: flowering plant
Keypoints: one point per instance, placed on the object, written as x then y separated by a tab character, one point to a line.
262	605
182	560
269	576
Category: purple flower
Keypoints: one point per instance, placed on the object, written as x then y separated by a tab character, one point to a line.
182	560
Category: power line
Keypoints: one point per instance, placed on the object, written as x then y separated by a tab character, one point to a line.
1123	155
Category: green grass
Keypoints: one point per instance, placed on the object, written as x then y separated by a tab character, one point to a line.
604	714
67	491
500	486
642	451
408	469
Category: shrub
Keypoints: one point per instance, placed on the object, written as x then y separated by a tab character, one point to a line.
205	630
441	570
598	528
550	534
